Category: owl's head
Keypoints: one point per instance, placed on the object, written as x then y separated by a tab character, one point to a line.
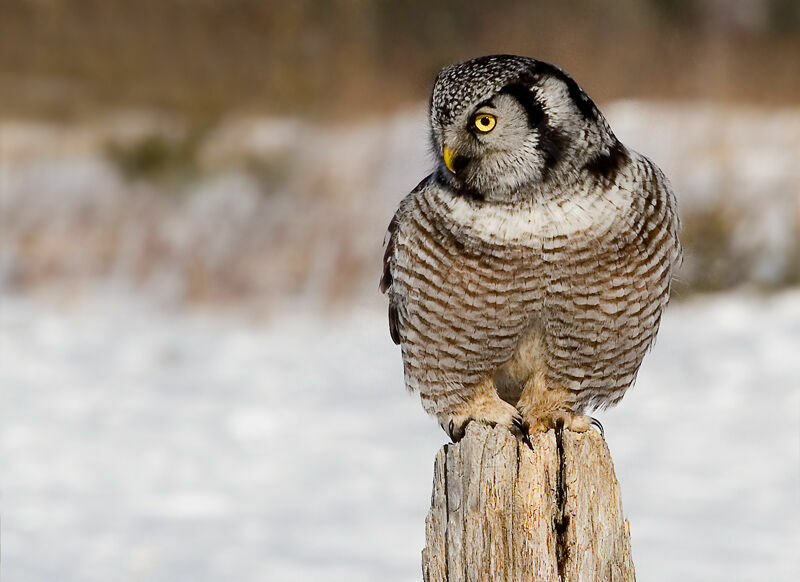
504	126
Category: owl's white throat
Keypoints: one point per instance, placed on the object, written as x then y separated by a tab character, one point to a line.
592	213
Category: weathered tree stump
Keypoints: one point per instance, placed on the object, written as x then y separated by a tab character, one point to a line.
501	510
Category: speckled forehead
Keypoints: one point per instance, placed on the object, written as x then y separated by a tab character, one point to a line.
462	85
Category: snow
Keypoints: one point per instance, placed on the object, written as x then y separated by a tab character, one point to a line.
151	444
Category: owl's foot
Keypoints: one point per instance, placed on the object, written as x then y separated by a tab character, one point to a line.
549	408
565	421
486	409
582	423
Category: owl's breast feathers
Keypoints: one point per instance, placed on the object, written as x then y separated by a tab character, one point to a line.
590	268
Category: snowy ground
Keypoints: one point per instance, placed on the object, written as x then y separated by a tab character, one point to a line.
138	444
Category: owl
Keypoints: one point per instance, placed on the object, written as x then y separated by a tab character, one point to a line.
527	274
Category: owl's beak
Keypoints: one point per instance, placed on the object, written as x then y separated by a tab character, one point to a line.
449	156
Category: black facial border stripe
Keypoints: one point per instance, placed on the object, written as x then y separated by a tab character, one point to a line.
552	142
525	97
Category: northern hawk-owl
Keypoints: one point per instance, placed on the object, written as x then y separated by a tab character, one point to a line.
528	273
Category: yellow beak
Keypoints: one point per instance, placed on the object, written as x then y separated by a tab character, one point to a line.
448	155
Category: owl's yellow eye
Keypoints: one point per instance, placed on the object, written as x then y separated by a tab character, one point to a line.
485	122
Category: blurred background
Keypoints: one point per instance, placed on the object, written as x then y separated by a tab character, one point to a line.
196	376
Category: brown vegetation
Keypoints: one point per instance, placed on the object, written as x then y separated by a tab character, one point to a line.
199	58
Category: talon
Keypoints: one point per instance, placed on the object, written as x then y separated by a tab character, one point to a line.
598	425
524	429
520	429
457	432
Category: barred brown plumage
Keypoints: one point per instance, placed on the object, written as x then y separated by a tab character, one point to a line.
526	284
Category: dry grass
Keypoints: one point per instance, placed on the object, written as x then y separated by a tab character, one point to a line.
269	210
714	258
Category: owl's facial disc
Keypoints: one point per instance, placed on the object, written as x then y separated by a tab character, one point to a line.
482	123
489	149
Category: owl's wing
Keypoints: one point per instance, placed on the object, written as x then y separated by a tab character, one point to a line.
388	261
386	278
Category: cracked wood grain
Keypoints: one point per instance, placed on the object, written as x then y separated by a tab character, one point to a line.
501	510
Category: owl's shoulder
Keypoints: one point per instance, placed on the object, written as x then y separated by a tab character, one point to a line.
393	231
389	255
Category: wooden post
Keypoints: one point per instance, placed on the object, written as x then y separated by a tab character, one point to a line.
503	511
